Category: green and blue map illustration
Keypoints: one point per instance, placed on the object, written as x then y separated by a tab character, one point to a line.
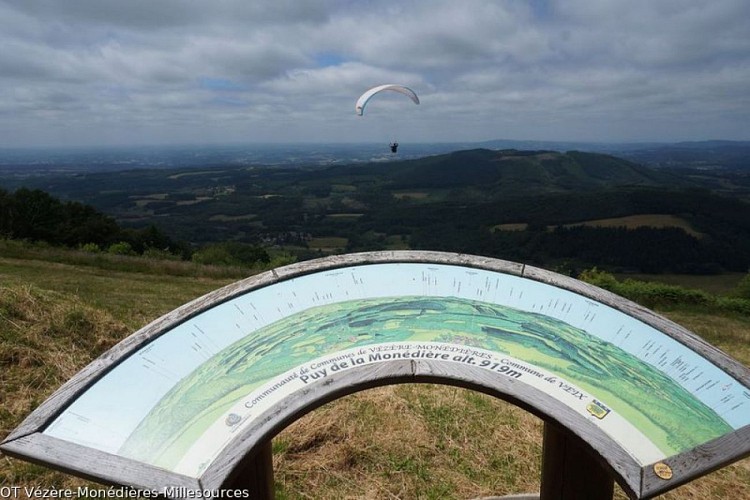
670	416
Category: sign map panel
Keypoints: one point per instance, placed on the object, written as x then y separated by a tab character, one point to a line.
182	398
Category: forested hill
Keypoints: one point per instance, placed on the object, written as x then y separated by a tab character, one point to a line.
512	172
493	172
540	207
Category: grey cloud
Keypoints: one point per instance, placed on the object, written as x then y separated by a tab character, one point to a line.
167	14
598	69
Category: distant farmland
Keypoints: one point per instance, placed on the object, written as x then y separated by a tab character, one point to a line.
643	220
629	221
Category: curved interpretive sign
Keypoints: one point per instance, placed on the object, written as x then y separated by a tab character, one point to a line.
183	401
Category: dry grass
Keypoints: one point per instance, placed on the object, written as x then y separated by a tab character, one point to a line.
410	441
425	441
133	297
45	339
728	332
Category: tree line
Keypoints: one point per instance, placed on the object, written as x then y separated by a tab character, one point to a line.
36	216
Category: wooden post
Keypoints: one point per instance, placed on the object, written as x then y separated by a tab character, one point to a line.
255	474
570	471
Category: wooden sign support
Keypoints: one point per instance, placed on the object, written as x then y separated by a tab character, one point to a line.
570	470
255	474
190	403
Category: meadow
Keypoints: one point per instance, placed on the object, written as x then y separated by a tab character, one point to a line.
405	441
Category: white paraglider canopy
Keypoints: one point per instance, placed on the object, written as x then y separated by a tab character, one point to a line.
364	98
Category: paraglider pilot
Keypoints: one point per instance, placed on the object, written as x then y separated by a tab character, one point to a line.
394	147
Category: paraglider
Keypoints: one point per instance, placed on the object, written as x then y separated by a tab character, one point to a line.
365	98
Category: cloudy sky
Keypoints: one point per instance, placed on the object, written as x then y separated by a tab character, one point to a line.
102	72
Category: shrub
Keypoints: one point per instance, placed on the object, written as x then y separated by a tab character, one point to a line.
91	248
743	287
282	259
231	254
214	255
602	279
652	294
121	248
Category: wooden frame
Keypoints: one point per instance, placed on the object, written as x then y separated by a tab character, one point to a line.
29	442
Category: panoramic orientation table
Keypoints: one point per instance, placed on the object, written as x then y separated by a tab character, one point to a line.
190	402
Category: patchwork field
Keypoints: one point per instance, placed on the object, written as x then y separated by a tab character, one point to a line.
629	222
642	220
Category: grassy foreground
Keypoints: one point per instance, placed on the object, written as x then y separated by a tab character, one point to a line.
407	441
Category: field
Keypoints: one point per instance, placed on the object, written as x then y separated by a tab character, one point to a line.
330	244
406	441
630	222
642	220
720	284
598	209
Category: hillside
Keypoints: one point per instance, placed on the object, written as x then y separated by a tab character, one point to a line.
510	172
462	201
497	173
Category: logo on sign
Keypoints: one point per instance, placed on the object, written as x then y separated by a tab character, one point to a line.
597	409
232	419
